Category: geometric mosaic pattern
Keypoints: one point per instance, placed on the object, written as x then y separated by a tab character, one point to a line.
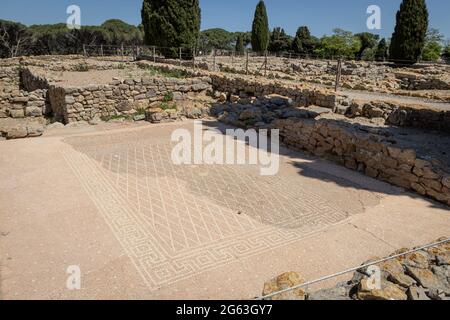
178	221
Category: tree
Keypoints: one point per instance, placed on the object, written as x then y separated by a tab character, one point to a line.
260	29
14	39
382	50
120	33
216	39
446	53
279	41
433	45
303	42
341	44
240	45
368	42
408	39
171	24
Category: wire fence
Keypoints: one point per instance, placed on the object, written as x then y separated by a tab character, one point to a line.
334	72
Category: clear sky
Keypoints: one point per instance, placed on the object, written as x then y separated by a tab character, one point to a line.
234	15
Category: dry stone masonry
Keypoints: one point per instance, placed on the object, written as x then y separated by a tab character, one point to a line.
423	275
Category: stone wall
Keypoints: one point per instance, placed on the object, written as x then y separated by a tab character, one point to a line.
414	81
16	102
399	115
375	155
121	97
302	96
31	81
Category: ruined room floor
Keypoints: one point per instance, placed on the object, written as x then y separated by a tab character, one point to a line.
109	200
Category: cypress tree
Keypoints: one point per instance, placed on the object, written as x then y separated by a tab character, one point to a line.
260	29
410	31
171	24
240	45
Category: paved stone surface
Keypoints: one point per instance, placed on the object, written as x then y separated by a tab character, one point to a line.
110	200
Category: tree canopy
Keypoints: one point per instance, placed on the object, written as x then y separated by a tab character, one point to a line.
303	42
279	41
342	44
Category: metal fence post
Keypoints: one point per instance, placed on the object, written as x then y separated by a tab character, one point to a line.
84	50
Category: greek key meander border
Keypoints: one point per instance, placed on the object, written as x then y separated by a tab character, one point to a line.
142	247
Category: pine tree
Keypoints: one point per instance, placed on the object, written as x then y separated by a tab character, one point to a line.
240	45
279	41
260	29
408	39
382	50
303	42
171	24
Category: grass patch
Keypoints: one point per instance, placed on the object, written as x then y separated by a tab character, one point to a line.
168	97
179	74
140	111
168	106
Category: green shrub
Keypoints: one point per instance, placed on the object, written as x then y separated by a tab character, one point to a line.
155	72
81	67
168	96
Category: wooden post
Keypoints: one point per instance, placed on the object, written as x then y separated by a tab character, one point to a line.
232	58
154	54
265	64
101	50
180	56
122	53
246	63
84	50
193	57
338	74
214	59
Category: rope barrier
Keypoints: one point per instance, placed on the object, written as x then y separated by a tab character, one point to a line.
352	270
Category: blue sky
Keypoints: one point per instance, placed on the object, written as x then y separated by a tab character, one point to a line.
234	15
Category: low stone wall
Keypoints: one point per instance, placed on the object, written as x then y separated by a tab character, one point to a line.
413	81
121	97
18	103
302	96
376	156
399	115
31	81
